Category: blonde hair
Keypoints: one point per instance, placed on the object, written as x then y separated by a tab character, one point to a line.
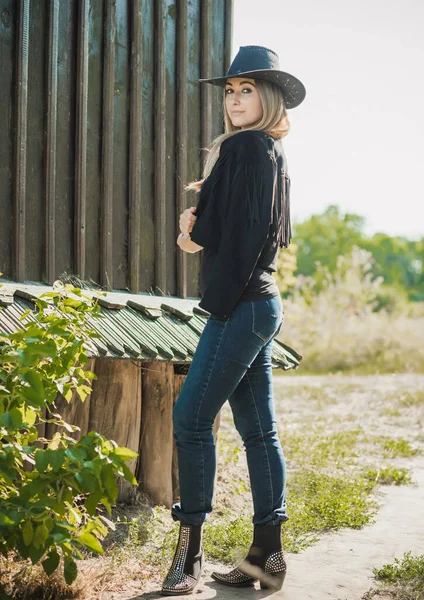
274	121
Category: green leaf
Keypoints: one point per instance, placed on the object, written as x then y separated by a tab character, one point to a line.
35	391
30	417
41	460
91	542
92	502
27	532
12	419
40	535
56	458
52	562
70	570
5	520
125	453
36	553
129	476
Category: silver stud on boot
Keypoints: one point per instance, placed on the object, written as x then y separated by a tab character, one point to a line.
235	578
178	582
270	577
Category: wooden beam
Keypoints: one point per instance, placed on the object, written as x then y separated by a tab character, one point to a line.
50	162
134	233
106	264
228	38
206	71
81	138
22	41
160	148
115	409
182	141
156	439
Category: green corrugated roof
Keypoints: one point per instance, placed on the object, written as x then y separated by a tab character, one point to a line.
140	326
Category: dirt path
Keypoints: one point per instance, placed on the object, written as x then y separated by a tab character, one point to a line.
339	566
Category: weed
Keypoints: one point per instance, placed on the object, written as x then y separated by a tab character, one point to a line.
403	579
389	476
393	448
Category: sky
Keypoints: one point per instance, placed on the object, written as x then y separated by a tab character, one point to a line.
357	140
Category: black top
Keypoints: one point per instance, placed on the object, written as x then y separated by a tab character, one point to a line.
243	218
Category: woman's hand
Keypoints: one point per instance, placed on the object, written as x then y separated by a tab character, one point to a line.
187	220
186	244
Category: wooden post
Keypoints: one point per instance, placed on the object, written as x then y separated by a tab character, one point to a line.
115	409
155	460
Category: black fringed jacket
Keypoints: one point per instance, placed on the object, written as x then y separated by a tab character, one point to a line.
243	218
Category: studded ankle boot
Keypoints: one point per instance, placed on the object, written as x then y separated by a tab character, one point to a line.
187	565
264	562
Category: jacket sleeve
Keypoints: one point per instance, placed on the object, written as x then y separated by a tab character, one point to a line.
246	205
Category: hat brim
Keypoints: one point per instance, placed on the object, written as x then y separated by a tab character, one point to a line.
294	91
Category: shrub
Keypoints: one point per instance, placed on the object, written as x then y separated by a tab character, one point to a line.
48	513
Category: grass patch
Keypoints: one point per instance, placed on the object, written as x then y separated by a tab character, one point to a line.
394	448
402	580
412	399
389	476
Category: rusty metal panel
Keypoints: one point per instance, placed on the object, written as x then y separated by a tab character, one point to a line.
103	122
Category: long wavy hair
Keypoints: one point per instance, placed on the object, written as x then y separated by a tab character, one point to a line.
274	121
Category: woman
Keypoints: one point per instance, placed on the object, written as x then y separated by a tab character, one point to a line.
241	220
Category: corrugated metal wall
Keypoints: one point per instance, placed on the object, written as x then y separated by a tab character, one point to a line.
101	121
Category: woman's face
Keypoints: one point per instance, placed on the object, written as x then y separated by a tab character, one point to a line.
244	107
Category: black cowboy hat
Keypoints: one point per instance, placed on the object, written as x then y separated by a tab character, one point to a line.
259	62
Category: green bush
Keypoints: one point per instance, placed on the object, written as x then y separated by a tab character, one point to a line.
49	513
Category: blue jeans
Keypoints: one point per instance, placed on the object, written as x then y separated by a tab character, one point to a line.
232	362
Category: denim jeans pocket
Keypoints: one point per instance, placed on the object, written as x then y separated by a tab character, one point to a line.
267	319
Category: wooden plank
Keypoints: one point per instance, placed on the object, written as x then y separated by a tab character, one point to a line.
81	138
194	165
7	152
228	38
115	408
147	257
136	104
65	140
121	154
50	161
182	135
206	71
217	55
106	269
171	149
155	460
22	42
160	149
94	142
36	125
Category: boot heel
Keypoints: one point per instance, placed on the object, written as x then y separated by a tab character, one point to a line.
273	582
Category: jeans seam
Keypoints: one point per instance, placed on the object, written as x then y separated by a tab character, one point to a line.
198	413
263	441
